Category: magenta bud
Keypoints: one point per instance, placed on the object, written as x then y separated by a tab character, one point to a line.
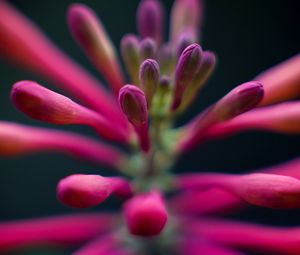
186	69
130	49
134	105
149	77
146	214
84	191
241	99
150	20
148	49
186	39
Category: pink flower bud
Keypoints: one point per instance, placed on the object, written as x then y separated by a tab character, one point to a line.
146	214
84	191
43	104
186	69
130	49
267	190
92	37
149	77
134	105
186	15
148	49
150	20
281	82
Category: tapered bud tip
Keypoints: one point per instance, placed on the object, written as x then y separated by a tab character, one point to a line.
83	191
134	104
146	215
241	99
129	42
149	71
148	48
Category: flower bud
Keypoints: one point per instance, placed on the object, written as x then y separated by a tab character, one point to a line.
84	191
148	49
130	49
186	69
92	37
134	105
146	214
149	77
43	104
150	20
186	15
167	59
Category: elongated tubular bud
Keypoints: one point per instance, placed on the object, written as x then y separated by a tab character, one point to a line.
186	69
92	37
186	15
24	43
134	105
281	82
130	49
150	20
185	39
63	230
267	190
16	139
105	245
85	191
43	104
146	214
167	59
197	246
149	77
251	237
208	64
148	49
241	99
213	201
281	118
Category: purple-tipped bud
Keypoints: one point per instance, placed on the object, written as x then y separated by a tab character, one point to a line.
149	77
134	105
146	214
92	37
241	99
148	49
167	59
150	20
84	191
208	64
186	69
130	49
186	39
186	15
43	104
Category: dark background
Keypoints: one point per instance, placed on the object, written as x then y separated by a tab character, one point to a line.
248	37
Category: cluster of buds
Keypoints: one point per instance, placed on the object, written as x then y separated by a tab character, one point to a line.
162	213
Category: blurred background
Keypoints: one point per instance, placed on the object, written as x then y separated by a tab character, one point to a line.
248	37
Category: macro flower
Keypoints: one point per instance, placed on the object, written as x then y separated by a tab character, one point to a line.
161	212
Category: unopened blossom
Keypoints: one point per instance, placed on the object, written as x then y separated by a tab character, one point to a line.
161	212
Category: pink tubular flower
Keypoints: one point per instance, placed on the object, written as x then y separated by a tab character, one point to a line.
161	212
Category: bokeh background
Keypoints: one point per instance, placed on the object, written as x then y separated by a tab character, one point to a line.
248	37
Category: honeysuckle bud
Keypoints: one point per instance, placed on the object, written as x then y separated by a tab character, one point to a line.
130	49
57	229
149	77
146	214
24	43
207	67
18	139
267	190
246	236
185	39
186	15
84	191
150	20
92	37
148	49
166	59
134	105
186	69
281	82
239	100
280	118
43	104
